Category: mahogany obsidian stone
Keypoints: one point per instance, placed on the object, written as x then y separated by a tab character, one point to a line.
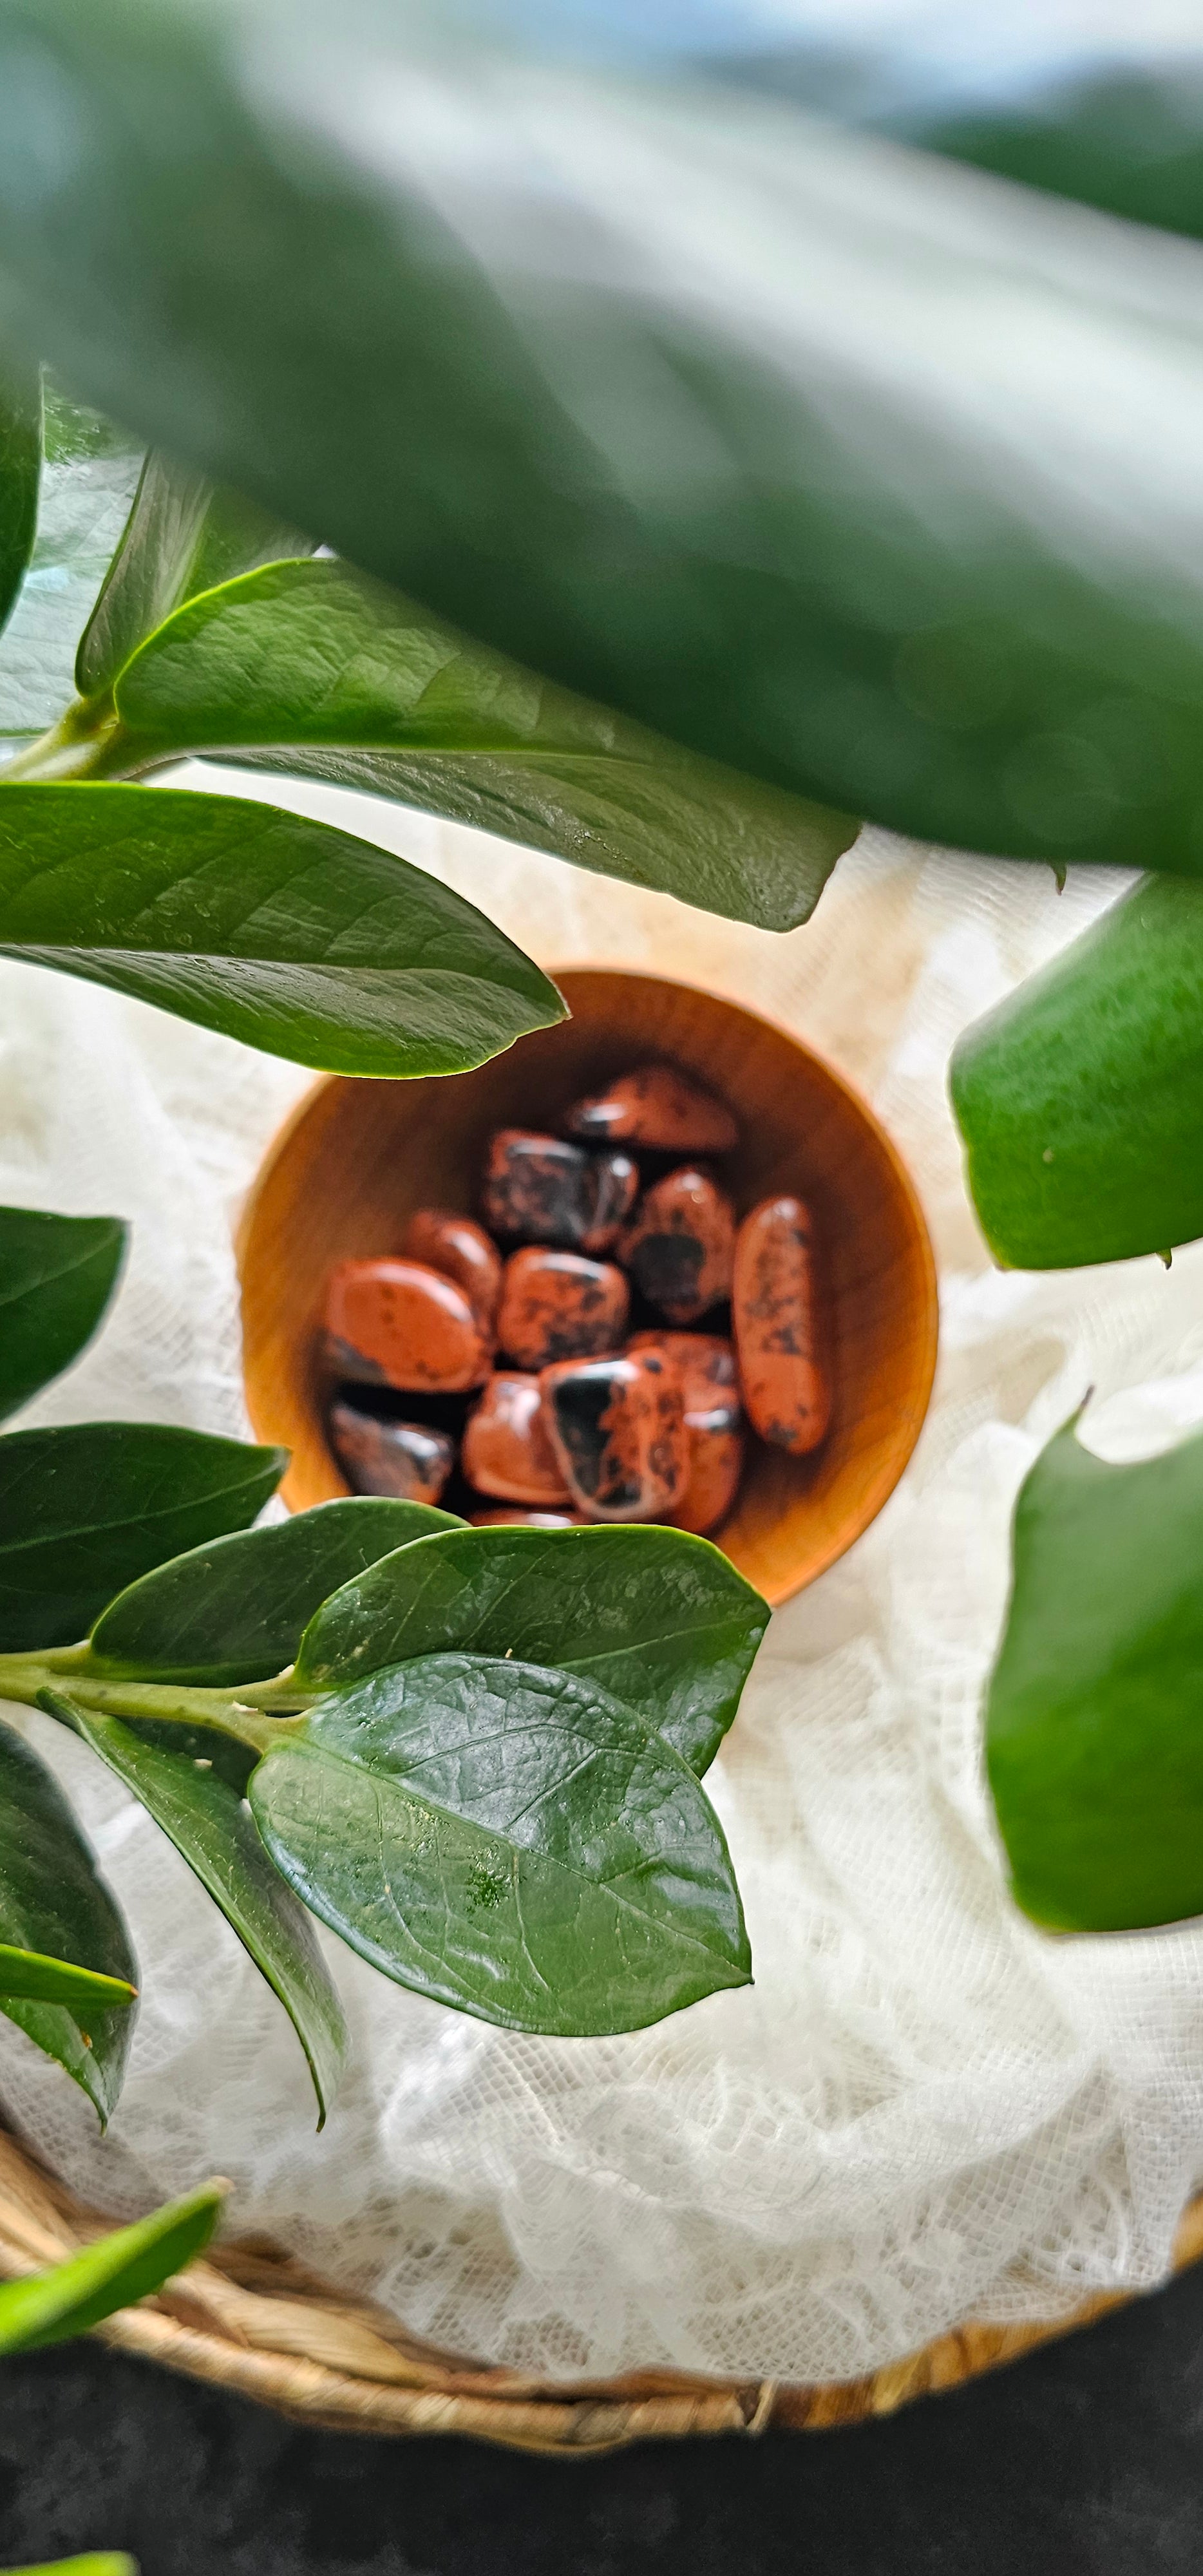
506	1448
658	1108
401	1459
537	1189
398	1323
680	1247
705	1363
775	1314
709	1374
559	1306
618	1429
461	1249
512	1518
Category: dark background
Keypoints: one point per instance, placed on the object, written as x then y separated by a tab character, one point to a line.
1085	2460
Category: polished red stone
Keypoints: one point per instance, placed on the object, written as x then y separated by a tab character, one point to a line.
461	1249
618	1430
506	1449
680	1247
401	1459
398	1323
709	1375
514	1519
775	1312
716	1464
559	1306
705	1363
537	1189
659	1108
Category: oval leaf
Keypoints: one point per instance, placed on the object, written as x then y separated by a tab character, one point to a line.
20	469
509	1841
86	1509
659	1619
282	932
54	1901
57	1274
183	535
130	2264
210	1825
36	1979
235	1611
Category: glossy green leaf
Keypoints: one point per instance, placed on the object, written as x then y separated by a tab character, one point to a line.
48	2307
311	667
1094	1732
33	1978
845	466
54	1901
282	932
183	536
57	1274
86	1509
210	1825
508	1840
235	1611
20	470
659	1619
1080	1097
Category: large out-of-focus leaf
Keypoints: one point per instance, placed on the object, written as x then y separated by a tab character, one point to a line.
86	1509
183	536
112	2273
1094	1732
285	933
1124	136
54	1901
20	468
508	1840
1080	1097
311	667
57	1275
860	471
658	1618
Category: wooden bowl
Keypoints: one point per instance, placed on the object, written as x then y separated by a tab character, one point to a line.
357	1157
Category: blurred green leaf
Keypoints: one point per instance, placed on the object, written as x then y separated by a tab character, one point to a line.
1080	1097
48	2307
183	535
57	1274
20	469
54	1901
282	932
95	2562
1125	137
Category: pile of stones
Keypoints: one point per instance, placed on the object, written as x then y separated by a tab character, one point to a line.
602	1347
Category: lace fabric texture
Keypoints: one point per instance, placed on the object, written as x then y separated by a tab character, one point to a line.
922	2109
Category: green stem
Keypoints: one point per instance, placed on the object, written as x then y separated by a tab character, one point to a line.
25	1679
89	741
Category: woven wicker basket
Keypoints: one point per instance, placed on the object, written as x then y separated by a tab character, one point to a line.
250	2318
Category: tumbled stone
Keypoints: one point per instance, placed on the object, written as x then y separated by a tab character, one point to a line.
506	1449
398	1323
716	1464
658	1108
618	1430
709	1375
679	1248
512	1518
461	1249
537	1189
402	1459
705	1363
560	1306
774	1304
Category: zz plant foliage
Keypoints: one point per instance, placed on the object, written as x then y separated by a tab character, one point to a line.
475	1755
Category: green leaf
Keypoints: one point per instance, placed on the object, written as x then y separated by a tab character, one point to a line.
812	452
86	1509
33	1978
182	536
659	1619
130	2264
279	931
310	667
95	2562
57	1274
210	1825
1124	136
1080	1098
54	1901
1094	1735
89	474
235	1611
510	1841
20	470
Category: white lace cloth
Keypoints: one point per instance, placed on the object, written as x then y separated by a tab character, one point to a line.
922	2109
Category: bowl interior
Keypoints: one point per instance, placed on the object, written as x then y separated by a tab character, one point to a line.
357	1157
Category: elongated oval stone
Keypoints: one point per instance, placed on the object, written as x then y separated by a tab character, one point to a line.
618	1430
398	1323
680	1247
506	1449
444	1240
537	1189
659	1108
559	1306
402	1459
775	1312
